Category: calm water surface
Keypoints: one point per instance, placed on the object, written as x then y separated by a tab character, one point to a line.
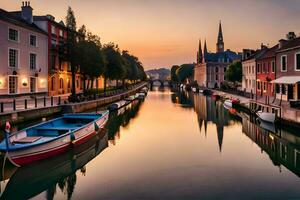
171	146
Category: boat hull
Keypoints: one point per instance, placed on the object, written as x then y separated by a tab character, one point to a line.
55	147
267	117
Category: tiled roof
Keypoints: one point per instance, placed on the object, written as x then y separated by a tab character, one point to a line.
288	44
15	18
258	54
270	52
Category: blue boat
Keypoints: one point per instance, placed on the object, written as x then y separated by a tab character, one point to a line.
52	137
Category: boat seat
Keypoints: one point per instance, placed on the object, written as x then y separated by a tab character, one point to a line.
28	139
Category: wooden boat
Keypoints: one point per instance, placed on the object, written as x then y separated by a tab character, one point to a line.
117	105
31	180
51	138
130	98
266	116
141	95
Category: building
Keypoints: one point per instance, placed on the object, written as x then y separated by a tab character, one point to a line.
287	84
24	54
249	67
60	76
211	67
266	72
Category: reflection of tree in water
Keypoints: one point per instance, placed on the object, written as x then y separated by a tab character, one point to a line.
67	184
51	192
115	121
181	98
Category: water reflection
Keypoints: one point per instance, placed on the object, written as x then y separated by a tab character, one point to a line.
282	147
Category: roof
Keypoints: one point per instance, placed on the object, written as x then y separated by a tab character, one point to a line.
257	54
287	80
271	52
288	44
15	18
48	18
226	55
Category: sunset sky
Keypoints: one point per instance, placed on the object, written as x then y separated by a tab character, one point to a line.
166	32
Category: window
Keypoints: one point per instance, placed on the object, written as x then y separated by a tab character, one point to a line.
53	31
283	151
273	66
53	62
217	78
32	40
69	83
13	84
253	69
13	35
258	68
297	61
264	68
224	69
283	90
61	83
265	86
258	85
217	69
32	61
32	84
53	43
13	58
52	83
77	83
283	63
61	34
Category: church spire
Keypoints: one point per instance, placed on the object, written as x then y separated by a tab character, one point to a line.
220	43
200	55
205	50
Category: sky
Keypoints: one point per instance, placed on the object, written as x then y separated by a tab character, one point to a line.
163	33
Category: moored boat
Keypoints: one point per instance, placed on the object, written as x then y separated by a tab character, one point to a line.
52	137
141	96
117	105
130	98
266	116
229	103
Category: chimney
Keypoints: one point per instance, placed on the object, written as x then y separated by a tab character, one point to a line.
281	43
291	36
26	12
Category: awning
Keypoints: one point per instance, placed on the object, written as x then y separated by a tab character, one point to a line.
287	80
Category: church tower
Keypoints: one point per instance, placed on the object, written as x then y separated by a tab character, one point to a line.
220	43
200	55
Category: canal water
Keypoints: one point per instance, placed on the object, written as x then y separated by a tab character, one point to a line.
171	146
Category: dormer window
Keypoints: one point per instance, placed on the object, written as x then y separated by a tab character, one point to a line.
13	35
61	34
53	31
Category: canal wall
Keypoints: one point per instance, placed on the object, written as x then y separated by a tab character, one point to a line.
22	116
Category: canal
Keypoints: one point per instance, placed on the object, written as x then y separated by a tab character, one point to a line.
171	146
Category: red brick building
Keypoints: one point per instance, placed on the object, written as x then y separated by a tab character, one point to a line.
266	72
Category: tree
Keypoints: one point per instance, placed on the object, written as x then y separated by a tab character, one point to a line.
132	63
184	71
82	30
173	73
90	60
71	53
115	68
234	72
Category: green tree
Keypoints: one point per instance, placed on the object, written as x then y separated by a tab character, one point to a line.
115	68
173	73
71	53
91	61
184	71
132	63
234	72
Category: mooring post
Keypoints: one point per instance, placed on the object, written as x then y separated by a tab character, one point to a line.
44	101
25	104
51	100
35	102
59	100
2	107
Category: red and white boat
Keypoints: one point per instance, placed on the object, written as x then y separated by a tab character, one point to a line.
52	137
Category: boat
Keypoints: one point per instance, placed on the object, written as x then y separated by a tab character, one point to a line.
207	92
229	103
266	116
31	180
117	105
194	89
144	90
216	96
141	96
51	138
130	98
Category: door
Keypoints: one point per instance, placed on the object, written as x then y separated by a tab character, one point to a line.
298	91
290	92
32	84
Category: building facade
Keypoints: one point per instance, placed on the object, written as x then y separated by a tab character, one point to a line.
60	76
287	83
266	72
211	67
24	53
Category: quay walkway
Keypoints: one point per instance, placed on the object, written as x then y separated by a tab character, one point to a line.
21	110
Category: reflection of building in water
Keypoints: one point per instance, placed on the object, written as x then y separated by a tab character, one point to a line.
209	110
283	149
